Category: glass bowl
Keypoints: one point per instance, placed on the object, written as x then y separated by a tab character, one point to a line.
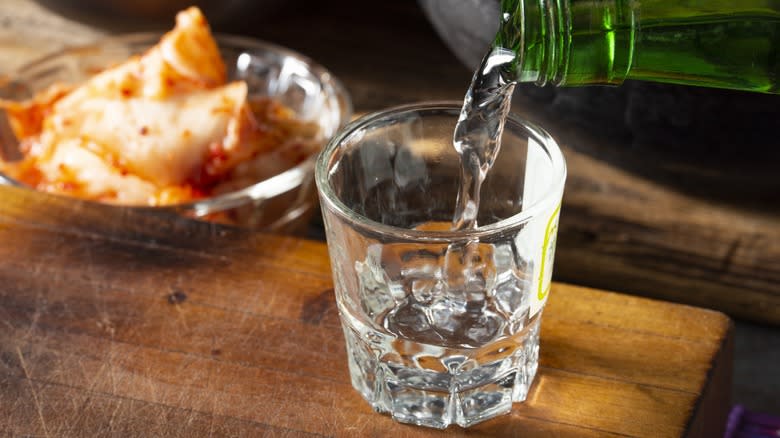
281	203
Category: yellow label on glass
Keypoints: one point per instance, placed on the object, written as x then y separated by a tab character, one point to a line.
548	255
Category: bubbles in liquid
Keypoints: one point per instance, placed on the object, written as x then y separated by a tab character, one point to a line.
456	295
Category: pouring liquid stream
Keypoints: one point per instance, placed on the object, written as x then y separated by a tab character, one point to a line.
477	136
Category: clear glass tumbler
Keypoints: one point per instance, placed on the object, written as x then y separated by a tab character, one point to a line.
441	326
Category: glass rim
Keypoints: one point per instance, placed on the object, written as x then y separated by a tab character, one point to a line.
333	203
268	188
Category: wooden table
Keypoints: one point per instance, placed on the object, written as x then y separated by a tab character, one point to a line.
625	224
114	323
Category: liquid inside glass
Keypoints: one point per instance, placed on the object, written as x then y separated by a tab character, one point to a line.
443	333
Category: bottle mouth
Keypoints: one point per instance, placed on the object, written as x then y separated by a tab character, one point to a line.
532	31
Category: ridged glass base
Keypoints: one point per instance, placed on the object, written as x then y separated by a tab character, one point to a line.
437	387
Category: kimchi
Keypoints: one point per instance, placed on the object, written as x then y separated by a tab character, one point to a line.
161	128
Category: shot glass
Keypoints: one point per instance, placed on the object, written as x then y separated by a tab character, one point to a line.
441	325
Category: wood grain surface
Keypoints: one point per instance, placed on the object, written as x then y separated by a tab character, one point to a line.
120	323
624	225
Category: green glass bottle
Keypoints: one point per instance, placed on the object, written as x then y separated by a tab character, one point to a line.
732	44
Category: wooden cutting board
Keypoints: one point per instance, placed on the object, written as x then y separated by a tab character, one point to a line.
115	323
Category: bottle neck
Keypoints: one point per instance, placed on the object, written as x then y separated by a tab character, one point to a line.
718	43
565	42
